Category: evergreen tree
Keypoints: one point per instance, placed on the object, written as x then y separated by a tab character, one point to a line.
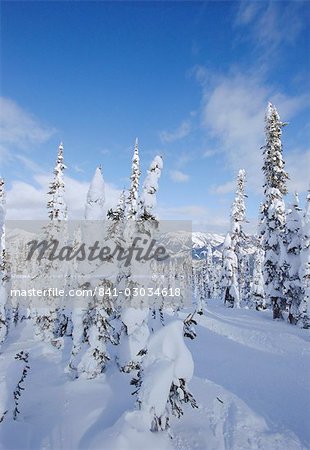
245	278
94	209
238	209
132	199
292	248
99	334
150	187
167	367
238	237
304	307
198	285
209	273
257	287
93	324
135	314
229	282
56	205
273	212
51	320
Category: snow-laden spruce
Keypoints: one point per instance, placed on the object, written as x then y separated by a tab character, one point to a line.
257	286
237	220
78	314
94	209
51	320
92	325
304	308
165	372
238	209
133	194
135	316
100	333
135	311
57	205
3	294
208	273
150	187
199	285
229	274
273	212
292	248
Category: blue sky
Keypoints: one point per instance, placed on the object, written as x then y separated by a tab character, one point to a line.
190	79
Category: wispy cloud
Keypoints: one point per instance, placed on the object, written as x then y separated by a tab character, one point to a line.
297	165
29	163
183	160
247	12
209	153
178	176
78	169
271	24
179	133
19	128
224	188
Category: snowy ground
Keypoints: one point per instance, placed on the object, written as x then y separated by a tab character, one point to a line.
251	383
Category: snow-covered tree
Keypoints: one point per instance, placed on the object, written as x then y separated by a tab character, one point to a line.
92	324
245	278
94	209
150	187
117	218
229	281
51	320
56	205
257	287
208	273
3	265
237	219
199	287
133	194
162	380
99	334
304	307
135	311
292	248
238	209
273	212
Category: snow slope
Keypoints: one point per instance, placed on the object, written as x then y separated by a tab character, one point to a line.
251	382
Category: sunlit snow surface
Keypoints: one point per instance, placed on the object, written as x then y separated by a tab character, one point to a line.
251	382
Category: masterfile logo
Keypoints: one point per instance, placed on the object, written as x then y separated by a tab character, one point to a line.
130	263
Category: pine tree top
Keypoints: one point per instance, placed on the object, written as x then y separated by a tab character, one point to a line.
273	168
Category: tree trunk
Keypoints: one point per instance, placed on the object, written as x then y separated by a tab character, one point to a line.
276	309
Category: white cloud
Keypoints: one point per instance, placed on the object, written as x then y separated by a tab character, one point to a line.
224	188
209	153
271	24
28	163
28	201
78	169
183	160
181	132
247	12
178	176
19	128
298	168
